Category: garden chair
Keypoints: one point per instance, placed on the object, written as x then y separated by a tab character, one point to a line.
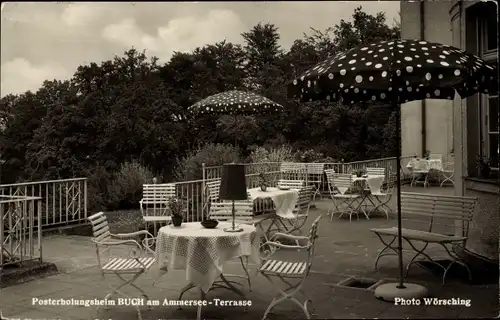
292	184
447	173
211	191
315	178
375	171
139	260
298	216
288	271
154	204
436	156
384	196
293	171
343	183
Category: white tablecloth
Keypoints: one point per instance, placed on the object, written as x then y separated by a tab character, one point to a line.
374	182
425	165
202	252
284	200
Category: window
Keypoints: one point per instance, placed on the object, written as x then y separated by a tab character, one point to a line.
490	25
488	50
492	130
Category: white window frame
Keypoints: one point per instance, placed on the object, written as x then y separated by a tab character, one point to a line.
490	56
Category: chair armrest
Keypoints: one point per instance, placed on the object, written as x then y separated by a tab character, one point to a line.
132	234
283	246
287	236
118	242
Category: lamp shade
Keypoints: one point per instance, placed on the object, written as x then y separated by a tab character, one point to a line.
233	185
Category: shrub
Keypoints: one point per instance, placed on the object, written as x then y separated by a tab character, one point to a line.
274	157
308	156
125	191
281	154
98	184
190	166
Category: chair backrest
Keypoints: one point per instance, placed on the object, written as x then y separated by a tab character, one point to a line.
213	188
315	168
342	182
292	184
437	156
100	227
313	235
305	199
292	166
223	211
375	171
156	193
438	209
293	171
330	173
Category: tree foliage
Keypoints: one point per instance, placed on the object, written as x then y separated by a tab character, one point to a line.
133	109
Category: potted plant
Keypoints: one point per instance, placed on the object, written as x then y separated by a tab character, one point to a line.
359	172
427	154
263	181
176	208
483	164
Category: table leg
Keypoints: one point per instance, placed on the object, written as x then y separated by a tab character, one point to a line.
232	288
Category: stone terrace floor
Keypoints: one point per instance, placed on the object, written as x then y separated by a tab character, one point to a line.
344	249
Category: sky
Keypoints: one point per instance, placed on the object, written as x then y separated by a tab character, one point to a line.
46	40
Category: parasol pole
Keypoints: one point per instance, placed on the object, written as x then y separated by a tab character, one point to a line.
398	194
393	292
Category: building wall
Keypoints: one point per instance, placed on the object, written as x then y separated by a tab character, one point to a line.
445	23
439	114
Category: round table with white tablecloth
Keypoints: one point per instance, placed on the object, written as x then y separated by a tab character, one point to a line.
202	252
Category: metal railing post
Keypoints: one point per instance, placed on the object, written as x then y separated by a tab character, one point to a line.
203	167
85	199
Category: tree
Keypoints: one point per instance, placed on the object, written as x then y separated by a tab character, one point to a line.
131	108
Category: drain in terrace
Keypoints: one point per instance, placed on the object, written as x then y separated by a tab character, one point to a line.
360	283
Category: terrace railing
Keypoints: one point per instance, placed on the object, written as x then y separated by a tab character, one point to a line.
194	192
63	202
20	230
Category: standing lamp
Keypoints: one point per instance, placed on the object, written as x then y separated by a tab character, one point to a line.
233	187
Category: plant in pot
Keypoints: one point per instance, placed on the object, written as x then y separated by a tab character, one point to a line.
177	211
263	183
483	164
358	172
427	154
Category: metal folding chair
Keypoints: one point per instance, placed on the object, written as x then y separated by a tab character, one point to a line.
315	178
384	197
298	216
341	190
292	184
293	171
154	204
287	270
140	259
447	173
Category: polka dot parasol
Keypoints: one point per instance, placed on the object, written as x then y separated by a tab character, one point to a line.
399	70
235	102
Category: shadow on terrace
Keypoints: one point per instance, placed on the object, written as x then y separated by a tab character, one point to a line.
341	282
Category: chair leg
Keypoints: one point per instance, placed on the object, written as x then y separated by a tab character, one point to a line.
287	294
119	292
